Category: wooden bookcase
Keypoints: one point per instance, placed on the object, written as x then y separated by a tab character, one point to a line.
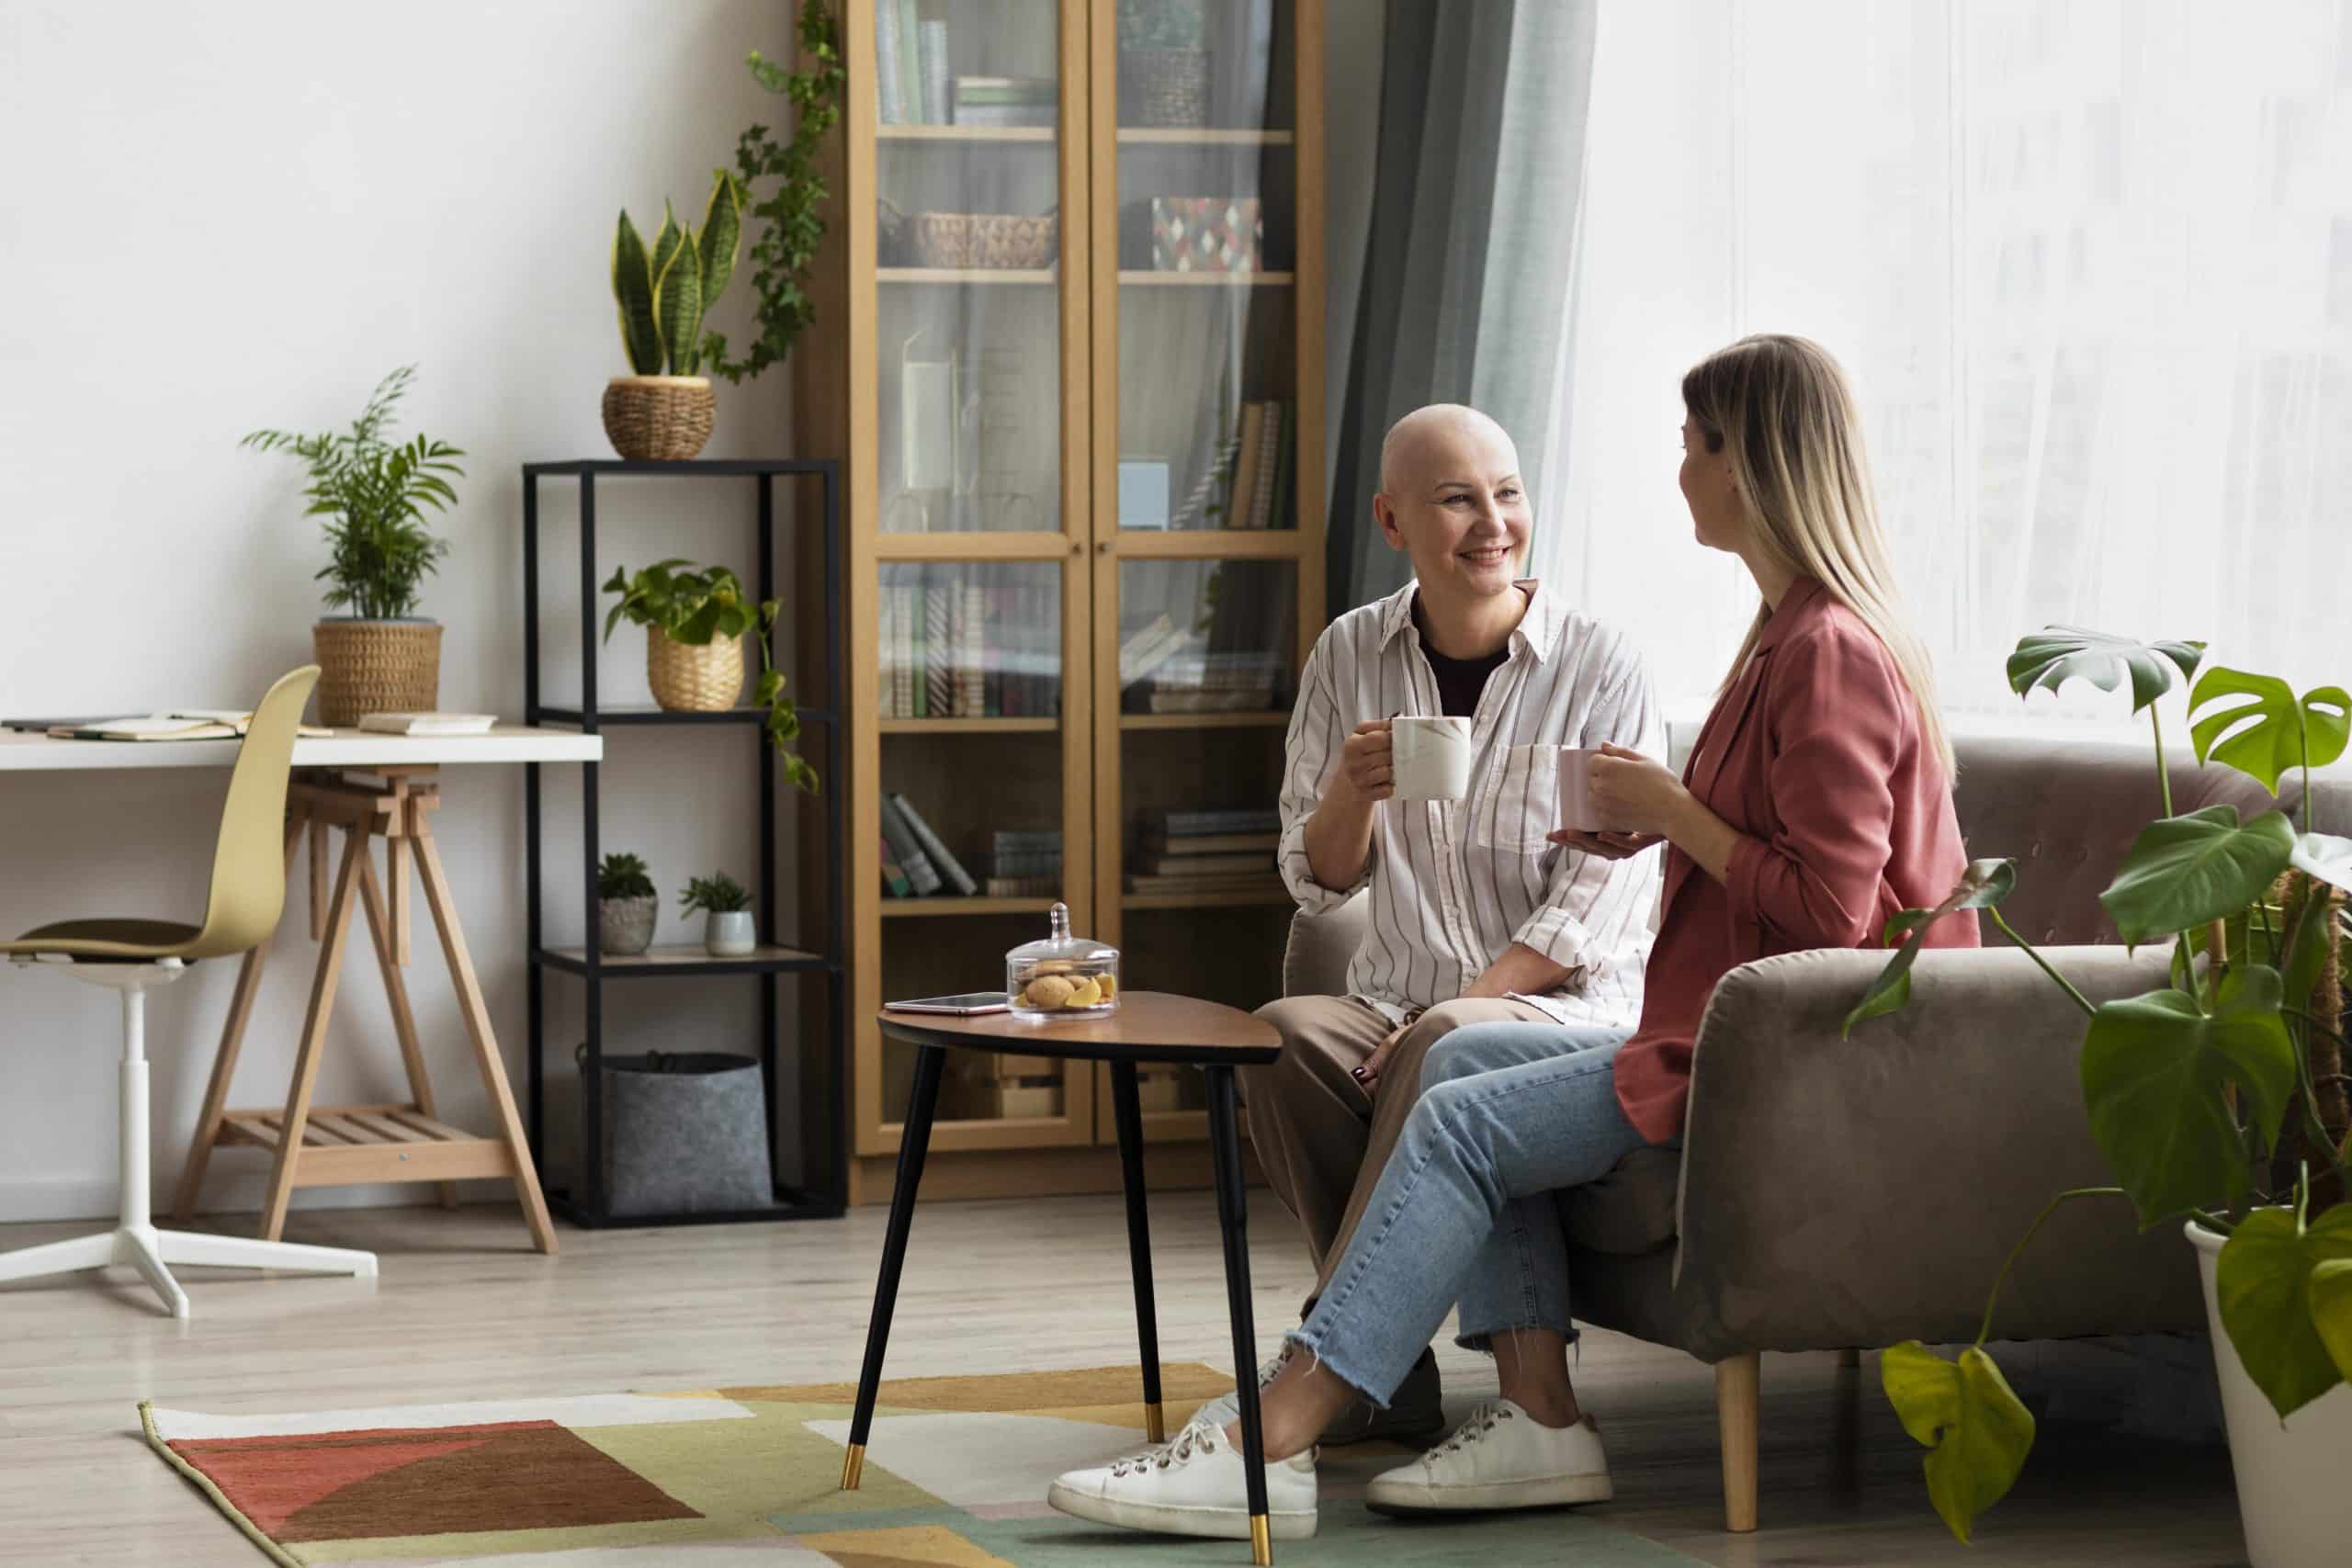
983	414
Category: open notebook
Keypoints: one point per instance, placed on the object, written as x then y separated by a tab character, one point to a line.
192	724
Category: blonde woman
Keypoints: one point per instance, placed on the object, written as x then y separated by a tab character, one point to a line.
1816	802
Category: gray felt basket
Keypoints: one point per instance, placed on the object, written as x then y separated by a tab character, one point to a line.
684	1132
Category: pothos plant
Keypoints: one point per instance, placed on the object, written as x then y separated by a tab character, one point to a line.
2221	1097
693	606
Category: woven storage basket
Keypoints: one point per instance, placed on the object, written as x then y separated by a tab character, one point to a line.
661	418
994	241
1164	87
376	667
692	678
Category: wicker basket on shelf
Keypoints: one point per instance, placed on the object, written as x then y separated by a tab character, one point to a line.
689	677
376	667
658	418
996	241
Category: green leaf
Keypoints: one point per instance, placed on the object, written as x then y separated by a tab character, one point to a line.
721	239
666	242
677	306
2263	1283
1975	1429
1981	886
770	687
2155	1069
2271	730
2186	871
2325	856
2331	1301
633	293
2052	656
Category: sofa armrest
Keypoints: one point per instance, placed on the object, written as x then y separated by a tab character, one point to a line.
1315	963
1859	1192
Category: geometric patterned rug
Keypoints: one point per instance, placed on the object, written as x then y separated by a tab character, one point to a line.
954	1477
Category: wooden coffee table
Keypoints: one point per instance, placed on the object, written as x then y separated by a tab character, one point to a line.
1148	1029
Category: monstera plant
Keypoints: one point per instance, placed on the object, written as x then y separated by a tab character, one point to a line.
2219	1098
664	409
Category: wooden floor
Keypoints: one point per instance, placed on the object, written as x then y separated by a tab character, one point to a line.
465	1310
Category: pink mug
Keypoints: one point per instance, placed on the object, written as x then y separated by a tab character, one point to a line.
1578	814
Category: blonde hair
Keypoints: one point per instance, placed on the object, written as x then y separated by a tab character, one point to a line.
1784	408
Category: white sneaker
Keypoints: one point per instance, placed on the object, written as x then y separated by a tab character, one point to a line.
1226	1408
1194	1485
1501	1458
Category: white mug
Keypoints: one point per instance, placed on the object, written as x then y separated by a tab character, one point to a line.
1430	757
1578	814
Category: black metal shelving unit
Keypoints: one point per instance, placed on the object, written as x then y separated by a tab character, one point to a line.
772	959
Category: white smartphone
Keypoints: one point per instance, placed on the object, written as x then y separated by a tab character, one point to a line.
965	1005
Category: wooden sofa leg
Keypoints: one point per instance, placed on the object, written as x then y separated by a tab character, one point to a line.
1738	1389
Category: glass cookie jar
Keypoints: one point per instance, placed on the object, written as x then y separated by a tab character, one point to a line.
1062	976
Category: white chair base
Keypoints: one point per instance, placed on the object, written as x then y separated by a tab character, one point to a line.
136	1241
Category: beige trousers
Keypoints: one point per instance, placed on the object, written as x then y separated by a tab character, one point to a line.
1323	1138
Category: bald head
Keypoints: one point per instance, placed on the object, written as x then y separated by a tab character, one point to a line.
1423	445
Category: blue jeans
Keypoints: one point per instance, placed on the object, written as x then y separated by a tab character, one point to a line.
1510	1113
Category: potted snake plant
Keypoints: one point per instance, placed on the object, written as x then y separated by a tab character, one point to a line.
665	408
2218	1100
374	492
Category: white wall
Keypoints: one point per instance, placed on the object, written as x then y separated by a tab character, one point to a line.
222	217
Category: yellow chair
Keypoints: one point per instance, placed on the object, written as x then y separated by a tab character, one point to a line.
131	956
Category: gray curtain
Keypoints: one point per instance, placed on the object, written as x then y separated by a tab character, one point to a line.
1470	253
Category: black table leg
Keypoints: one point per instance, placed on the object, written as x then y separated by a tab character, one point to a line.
1127	1110
1233	1219
914	1140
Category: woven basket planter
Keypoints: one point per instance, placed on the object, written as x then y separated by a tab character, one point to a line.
1164	87
692	678
998	241
376	667
658	418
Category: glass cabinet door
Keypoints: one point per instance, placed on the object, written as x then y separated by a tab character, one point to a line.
1209	463
977	687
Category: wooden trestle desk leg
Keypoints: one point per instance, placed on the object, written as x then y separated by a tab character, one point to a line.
225	1061
1233	1219
383	931
1127	1110
478	1029
914	1141
292	1125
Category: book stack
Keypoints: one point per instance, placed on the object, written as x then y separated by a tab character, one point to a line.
911	81
1208	851
991	1086
957	643
1006	100
1025	863
1216	683
916	863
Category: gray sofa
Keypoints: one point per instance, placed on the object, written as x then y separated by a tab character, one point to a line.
1838	1193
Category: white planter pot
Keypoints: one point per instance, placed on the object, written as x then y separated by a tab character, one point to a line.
727	935
2291	1492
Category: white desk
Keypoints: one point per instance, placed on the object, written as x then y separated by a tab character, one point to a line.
353	748
313	1145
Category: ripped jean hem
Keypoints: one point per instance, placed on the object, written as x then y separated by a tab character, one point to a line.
1482	1340
1310	1343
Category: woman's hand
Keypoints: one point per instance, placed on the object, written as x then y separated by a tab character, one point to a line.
1368	1074
1636	792
1608	846
1367	771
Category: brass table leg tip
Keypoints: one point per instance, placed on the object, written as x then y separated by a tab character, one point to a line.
1261	1544
1155	1423
852	1466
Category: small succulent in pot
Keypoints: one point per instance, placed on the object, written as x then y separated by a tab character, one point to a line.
626	906
727	914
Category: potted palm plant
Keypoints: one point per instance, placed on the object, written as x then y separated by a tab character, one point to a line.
626	906
694	620
373	492
727	914
2218	1100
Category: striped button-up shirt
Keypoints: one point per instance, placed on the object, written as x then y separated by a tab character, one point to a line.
1453	883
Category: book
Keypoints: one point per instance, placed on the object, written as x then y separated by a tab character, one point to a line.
947	864
1024	887
1270	440
198	724
1286	509
894	875
427	723
1175	823
938	655
885	618
971	675
1207	865
1006	116
932	55
909	851
1245	469
1211	843
890	105
910	48
1265	882
903	623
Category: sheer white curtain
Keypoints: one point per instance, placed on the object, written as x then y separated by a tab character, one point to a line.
2089	263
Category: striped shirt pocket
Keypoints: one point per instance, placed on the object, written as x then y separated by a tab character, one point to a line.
1521	804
